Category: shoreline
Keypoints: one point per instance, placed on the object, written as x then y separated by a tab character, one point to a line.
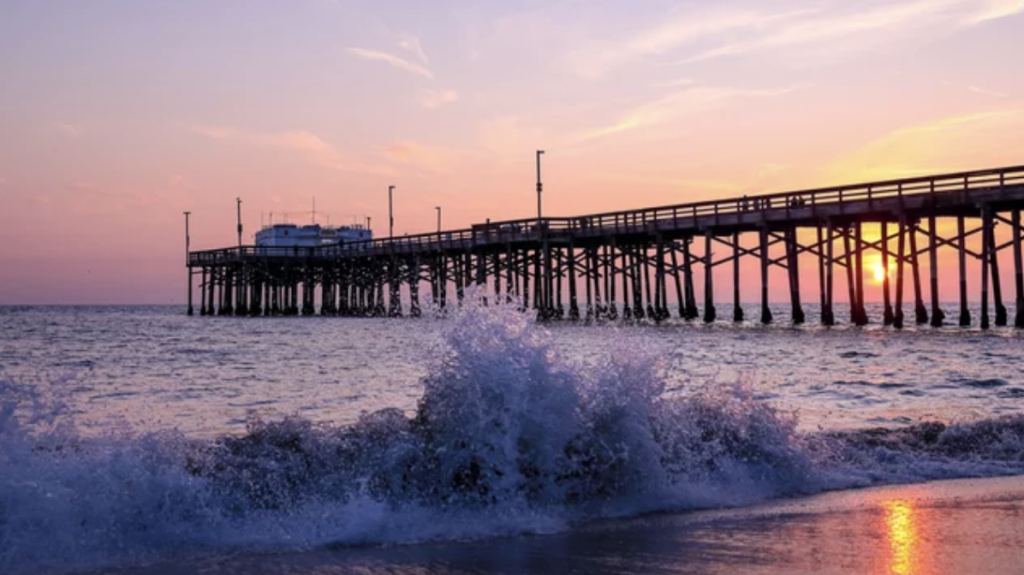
947	526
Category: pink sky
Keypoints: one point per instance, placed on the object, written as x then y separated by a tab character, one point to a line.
117	115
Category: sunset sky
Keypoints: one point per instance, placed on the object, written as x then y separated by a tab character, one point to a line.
117	116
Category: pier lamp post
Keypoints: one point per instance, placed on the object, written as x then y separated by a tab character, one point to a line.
187	244
239	206
540	187
438	208
391	217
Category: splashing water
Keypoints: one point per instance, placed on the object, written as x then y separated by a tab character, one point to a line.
507	438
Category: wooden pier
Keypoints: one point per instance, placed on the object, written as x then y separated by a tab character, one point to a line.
642	263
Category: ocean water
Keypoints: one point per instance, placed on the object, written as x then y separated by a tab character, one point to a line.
138	435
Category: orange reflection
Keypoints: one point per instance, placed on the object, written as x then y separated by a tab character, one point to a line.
903	537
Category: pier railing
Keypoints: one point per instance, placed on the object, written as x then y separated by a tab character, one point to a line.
809	203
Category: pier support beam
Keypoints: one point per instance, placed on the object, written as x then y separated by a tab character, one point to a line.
823	289
986	258
691	299
709	281
737	307
933	259
574	306
766	312
887	314
1018	271
920	311
901	244
862	314
851	282
965	313
793	269
997	284
202	293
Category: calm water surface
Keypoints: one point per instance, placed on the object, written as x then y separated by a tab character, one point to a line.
156	368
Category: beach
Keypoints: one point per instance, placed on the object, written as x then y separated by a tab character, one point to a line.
944	527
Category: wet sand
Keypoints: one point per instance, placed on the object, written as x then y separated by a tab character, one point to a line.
960	526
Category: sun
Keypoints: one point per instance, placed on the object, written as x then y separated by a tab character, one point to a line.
879	272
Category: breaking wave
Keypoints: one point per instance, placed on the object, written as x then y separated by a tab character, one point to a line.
507	438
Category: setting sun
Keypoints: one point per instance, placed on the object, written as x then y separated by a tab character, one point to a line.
879	272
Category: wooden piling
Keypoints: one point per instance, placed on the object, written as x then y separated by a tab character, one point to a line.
887	314
897	319
793	269
1018	270
920	311
986	258
937	314
965	313
851	281
737	307
680	300
766	312
862	315
691	300
709	287
574	306
828	312
997	285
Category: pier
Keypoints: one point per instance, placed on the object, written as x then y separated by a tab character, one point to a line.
643	264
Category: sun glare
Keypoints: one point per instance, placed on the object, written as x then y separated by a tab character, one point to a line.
879	273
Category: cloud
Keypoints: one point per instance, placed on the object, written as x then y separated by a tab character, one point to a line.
996	9
674	83
69	130
968	141
809	27
512	137
431	158
676	105
985	92
412	44
304	142
431	99
704	31
393	60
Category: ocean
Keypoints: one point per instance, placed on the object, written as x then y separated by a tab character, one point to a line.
137	439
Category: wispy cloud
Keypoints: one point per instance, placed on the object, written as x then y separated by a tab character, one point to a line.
397	62
69	130
412	44
946	144
986	92
704	31
816	27
431	99
428	157
304	142
676	105
996	9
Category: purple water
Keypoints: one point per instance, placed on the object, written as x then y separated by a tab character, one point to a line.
138	434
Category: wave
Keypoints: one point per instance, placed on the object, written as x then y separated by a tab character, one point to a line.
507	438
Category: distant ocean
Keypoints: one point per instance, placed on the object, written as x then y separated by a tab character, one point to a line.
138	435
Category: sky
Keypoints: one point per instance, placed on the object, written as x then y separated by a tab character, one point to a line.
116	116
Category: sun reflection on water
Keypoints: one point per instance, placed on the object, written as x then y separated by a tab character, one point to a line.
903	537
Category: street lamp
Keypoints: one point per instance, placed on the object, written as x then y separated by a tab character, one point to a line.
187	242
391	217
540	186
438	208
239	205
